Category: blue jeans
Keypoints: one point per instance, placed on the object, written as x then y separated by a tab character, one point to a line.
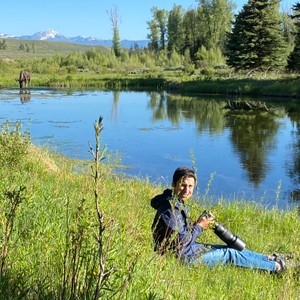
222	255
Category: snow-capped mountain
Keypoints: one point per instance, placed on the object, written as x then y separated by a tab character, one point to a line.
7	36
53	35
50	34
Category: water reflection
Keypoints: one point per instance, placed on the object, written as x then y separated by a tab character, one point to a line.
114	110
250	151
294	163
207	115
25	96
253	133
253	136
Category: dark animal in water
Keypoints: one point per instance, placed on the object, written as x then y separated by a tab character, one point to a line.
24	79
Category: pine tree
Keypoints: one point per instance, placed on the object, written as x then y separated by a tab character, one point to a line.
294	57
256	41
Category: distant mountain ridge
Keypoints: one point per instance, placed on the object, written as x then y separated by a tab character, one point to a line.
53	35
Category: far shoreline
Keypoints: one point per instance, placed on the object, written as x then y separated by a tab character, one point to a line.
285	86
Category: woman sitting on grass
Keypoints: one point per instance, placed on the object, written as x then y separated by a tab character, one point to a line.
173	231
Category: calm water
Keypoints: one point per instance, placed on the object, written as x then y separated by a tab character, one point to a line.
254	156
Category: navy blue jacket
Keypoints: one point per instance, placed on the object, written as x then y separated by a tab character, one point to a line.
172	229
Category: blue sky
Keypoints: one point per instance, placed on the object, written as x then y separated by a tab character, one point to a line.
87	17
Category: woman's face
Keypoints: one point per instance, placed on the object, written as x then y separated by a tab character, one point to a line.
184	188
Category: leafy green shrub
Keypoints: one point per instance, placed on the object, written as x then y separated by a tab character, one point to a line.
190	69
207	73
13	145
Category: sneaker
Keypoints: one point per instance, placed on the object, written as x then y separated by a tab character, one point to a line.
282	256
291	265
283	267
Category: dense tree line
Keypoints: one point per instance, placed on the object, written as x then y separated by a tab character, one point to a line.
193	32
258	38
208	38
256	41
294	58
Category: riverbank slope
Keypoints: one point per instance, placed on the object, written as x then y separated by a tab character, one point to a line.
50	235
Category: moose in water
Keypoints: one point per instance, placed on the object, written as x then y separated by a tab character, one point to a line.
24	79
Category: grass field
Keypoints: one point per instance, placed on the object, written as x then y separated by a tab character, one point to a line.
55	244
42	49
50	235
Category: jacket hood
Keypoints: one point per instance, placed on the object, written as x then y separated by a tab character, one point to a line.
161	199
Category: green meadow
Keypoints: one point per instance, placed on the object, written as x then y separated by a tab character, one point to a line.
24	49
77	230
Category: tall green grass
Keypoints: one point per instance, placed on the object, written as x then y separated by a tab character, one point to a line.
52	252
283	86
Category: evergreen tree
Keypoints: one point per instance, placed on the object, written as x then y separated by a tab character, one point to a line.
294	57
288	28
256	41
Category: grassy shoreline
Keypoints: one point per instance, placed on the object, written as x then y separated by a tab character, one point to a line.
284	86
56	64
56	219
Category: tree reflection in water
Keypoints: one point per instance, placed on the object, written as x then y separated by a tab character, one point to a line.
253	136
294	164
252	126
249	148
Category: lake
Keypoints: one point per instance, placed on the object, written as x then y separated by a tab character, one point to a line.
252	155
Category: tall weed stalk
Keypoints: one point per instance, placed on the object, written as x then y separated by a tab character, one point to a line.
103	250
85	272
